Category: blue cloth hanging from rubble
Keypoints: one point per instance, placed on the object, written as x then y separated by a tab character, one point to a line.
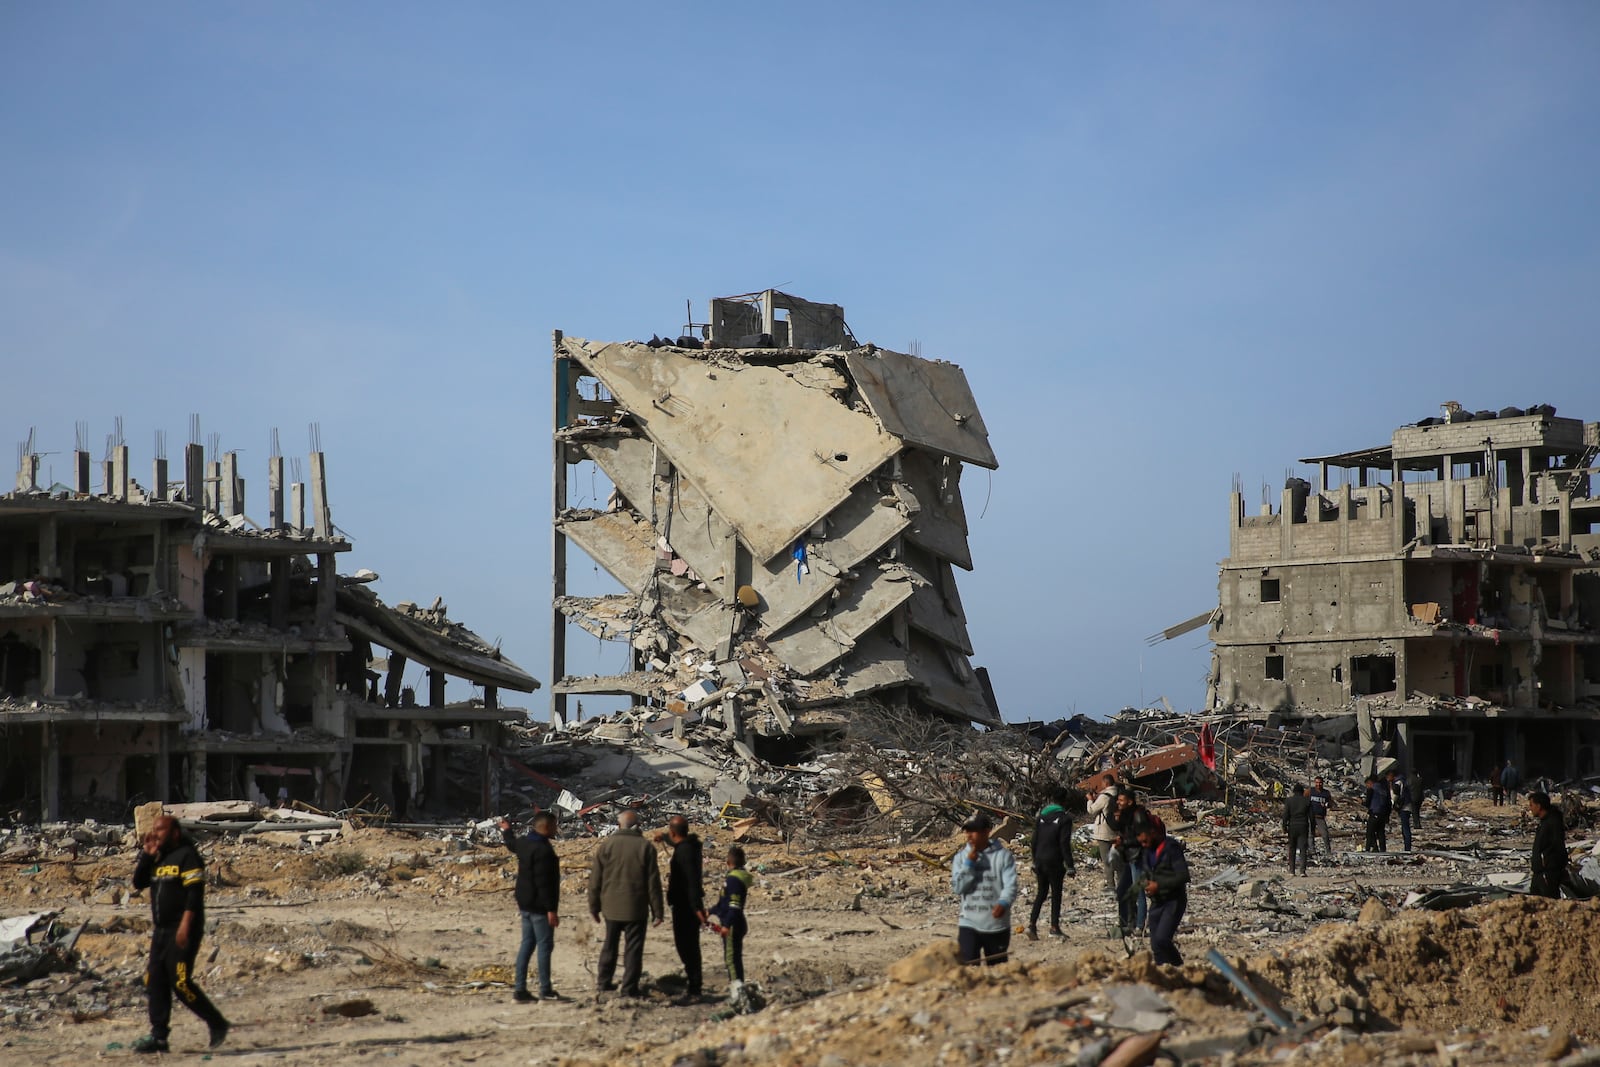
800	568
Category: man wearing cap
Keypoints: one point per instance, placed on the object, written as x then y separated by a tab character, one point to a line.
984	876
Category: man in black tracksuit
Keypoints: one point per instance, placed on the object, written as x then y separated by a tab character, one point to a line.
1297	824
1549	858
1052	861
686	896
170	867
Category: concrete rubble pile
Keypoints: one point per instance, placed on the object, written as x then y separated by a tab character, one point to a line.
785	523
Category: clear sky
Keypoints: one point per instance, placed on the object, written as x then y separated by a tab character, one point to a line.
1168	242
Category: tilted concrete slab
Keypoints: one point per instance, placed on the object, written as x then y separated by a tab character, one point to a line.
856	529
930	613
811	644
771	455
940	523
943	686
927	403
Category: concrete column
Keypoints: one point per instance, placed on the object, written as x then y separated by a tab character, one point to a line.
230	587
561	397
119	472
228	486
50	772
49	539
297	506
275	517
197	776
321	517
491	698
163	761
194	475
394	679
278	602
1402	745
80	474
436	684
158	479
327	586
213	482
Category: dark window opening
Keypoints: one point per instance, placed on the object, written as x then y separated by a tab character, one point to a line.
1372	674
1270	590
1275	668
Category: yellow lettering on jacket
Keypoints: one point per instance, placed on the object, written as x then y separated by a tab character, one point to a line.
169	871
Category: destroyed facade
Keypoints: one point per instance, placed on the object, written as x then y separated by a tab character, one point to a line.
786	521
1449	599
158	644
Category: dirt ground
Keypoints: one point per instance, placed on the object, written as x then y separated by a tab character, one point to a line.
424	931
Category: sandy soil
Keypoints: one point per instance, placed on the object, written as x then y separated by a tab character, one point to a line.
426	932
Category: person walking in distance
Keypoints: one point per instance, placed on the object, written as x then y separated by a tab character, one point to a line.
729	912
1052	861
1510	779
1549	858
1400	800
1297	824
171	868
538	895
687	898
1378	805
1321	804
984	875
625	888
1131	903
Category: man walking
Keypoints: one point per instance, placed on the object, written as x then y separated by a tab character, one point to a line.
1102	808
624	887
1400	799
1131	903
170	867
538	896
1549	858
1166	870
1052	861
1297	824
686	896
1379	804
1510	779
1321	803
984	876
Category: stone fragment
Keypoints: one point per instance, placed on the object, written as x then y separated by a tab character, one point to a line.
927	963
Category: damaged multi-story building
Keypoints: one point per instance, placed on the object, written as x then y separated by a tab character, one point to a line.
156	643
785	524
1445	593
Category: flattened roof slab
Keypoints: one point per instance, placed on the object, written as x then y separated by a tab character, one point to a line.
812	644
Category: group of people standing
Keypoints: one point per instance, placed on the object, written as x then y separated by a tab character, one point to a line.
625	894
1146	870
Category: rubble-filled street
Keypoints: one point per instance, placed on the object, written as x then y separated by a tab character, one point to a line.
329	937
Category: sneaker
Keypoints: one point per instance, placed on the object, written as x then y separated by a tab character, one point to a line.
522	996
149	1043
1055	931
550	994
1033	933
219	1033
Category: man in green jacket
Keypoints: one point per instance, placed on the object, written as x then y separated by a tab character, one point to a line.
625	888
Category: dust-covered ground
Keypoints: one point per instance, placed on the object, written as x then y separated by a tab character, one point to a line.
398	947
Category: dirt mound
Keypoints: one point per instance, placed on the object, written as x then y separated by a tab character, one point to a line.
1522	962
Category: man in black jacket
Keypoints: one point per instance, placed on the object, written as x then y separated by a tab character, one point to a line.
1052	860
538	899
170	867
686	896
1297	824
1166	870
1549	859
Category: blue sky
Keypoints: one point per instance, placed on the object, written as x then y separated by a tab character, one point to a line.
1168	242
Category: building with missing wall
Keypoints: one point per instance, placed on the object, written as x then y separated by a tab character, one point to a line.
786	522
1442	588
159	644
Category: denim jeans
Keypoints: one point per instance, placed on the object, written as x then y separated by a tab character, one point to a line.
535	931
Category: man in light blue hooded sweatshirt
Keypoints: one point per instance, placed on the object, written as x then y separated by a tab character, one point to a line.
984	876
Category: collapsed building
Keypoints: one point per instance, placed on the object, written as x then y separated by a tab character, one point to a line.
785	524
1448	600
159	644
